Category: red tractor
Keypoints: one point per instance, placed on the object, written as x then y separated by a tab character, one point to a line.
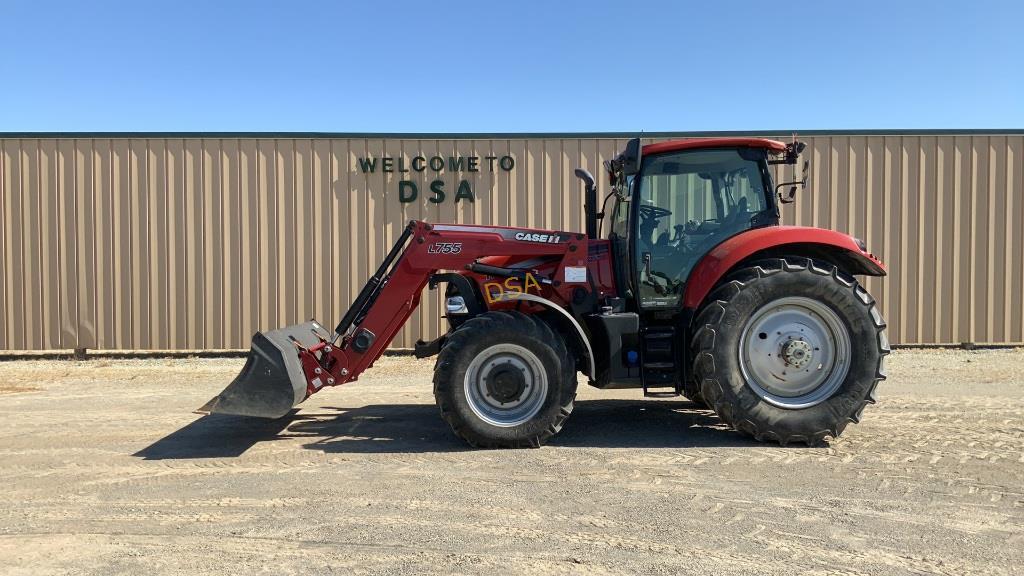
692	288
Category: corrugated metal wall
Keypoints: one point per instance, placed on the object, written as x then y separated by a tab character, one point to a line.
182	243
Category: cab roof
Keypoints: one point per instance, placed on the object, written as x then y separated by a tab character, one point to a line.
773	146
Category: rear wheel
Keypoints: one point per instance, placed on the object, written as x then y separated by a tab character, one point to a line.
505	380
789	350
692	393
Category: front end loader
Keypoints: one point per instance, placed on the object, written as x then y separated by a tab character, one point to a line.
689	286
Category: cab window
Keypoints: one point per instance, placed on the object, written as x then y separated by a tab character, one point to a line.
687	203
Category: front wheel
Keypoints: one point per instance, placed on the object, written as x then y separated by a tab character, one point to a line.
789	350
505	380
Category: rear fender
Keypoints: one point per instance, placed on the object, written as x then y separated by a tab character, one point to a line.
837	248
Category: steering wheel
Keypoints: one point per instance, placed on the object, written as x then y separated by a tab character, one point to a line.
655	212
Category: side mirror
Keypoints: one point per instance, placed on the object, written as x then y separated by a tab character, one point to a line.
612	174
631	157
790	195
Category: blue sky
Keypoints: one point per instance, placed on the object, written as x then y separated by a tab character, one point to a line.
523	66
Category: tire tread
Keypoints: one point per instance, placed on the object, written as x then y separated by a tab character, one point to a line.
506	321
709	323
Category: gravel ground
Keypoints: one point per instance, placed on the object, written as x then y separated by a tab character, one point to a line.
105	470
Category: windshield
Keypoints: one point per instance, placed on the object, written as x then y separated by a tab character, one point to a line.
688	202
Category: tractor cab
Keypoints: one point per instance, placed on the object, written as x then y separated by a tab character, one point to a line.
680	208
681	200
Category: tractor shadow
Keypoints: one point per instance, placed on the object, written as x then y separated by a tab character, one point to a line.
216	436
647	424
418	428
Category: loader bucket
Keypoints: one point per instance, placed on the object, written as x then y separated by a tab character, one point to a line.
272	382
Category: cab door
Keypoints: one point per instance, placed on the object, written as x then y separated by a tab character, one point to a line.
686	203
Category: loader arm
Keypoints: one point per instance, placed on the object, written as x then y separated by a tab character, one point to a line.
286	366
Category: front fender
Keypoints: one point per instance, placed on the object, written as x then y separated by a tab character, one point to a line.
555	307
777	241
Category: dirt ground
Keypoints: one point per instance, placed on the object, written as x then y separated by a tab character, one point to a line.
104	469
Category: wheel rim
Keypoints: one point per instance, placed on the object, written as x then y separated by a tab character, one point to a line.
795	352
506	385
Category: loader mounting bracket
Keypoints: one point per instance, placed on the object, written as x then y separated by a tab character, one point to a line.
424	349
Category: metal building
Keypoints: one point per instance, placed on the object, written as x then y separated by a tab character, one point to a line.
195	241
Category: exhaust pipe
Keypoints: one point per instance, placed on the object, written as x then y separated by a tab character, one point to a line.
591	215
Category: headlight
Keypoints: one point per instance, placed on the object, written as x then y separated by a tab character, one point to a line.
456	305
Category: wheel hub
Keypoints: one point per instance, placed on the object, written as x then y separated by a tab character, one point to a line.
795	352
506	383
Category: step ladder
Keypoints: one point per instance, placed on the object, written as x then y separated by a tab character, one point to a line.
658	362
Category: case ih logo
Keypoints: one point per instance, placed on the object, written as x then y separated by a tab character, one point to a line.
543	238
409	190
